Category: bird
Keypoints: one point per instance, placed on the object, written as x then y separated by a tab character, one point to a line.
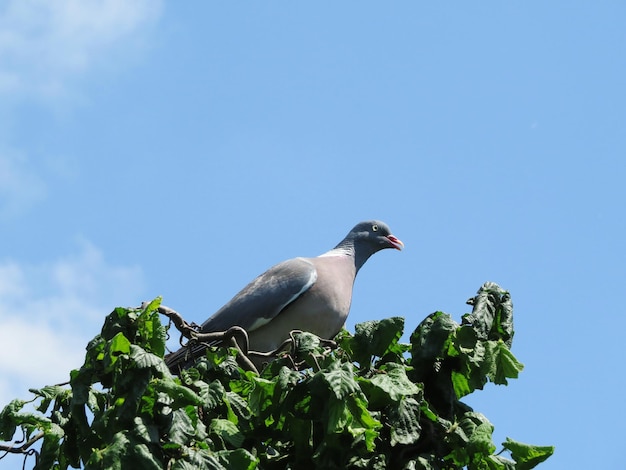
307	294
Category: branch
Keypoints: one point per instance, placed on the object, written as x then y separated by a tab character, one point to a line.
22	449
235	336
186	329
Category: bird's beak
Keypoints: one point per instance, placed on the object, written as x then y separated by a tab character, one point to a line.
395	242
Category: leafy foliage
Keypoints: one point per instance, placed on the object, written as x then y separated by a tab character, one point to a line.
370	403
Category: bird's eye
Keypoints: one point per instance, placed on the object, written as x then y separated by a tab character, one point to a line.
375	228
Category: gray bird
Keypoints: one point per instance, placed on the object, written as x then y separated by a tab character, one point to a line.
308	294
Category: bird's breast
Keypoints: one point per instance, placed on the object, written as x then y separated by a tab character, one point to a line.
321	310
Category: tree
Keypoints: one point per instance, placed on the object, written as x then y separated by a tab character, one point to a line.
371	402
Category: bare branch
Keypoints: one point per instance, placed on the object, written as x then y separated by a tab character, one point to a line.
186	329
235	336
24	448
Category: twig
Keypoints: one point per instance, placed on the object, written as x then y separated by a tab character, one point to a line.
186	329
235	336
22	449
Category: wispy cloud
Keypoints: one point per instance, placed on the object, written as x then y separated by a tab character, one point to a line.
45	48
44	44
50	311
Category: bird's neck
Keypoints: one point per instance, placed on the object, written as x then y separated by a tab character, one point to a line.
346	248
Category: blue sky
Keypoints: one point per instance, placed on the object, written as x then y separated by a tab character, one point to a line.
179	149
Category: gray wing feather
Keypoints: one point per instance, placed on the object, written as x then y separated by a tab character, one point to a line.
265	297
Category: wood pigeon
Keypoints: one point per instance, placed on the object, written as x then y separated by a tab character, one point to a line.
308	294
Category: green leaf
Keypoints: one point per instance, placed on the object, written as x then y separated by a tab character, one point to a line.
377	338
152	334
505	363
227	431
404	420
184	426
527	456
213	395
11	417
497	462
120	320
301	432
428	413
8	419
146	360
461	384
49	452
237	459
306	343
339	379
237	408
118	345
352	415
48	394
111	457
364	425
470	439
198	459
492	315
423	463
154	304
143	457
374	462
181	396
430	341
388	385
261	395
338	416
287	379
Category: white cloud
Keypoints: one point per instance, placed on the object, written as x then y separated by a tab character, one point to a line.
45	43
45	46
50	311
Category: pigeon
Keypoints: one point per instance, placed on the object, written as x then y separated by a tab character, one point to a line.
306	294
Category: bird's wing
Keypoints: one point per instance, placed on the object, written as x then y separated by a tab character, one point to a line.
265	297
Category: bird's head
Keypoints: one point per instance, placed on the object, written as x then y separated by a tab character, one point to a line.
374	235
